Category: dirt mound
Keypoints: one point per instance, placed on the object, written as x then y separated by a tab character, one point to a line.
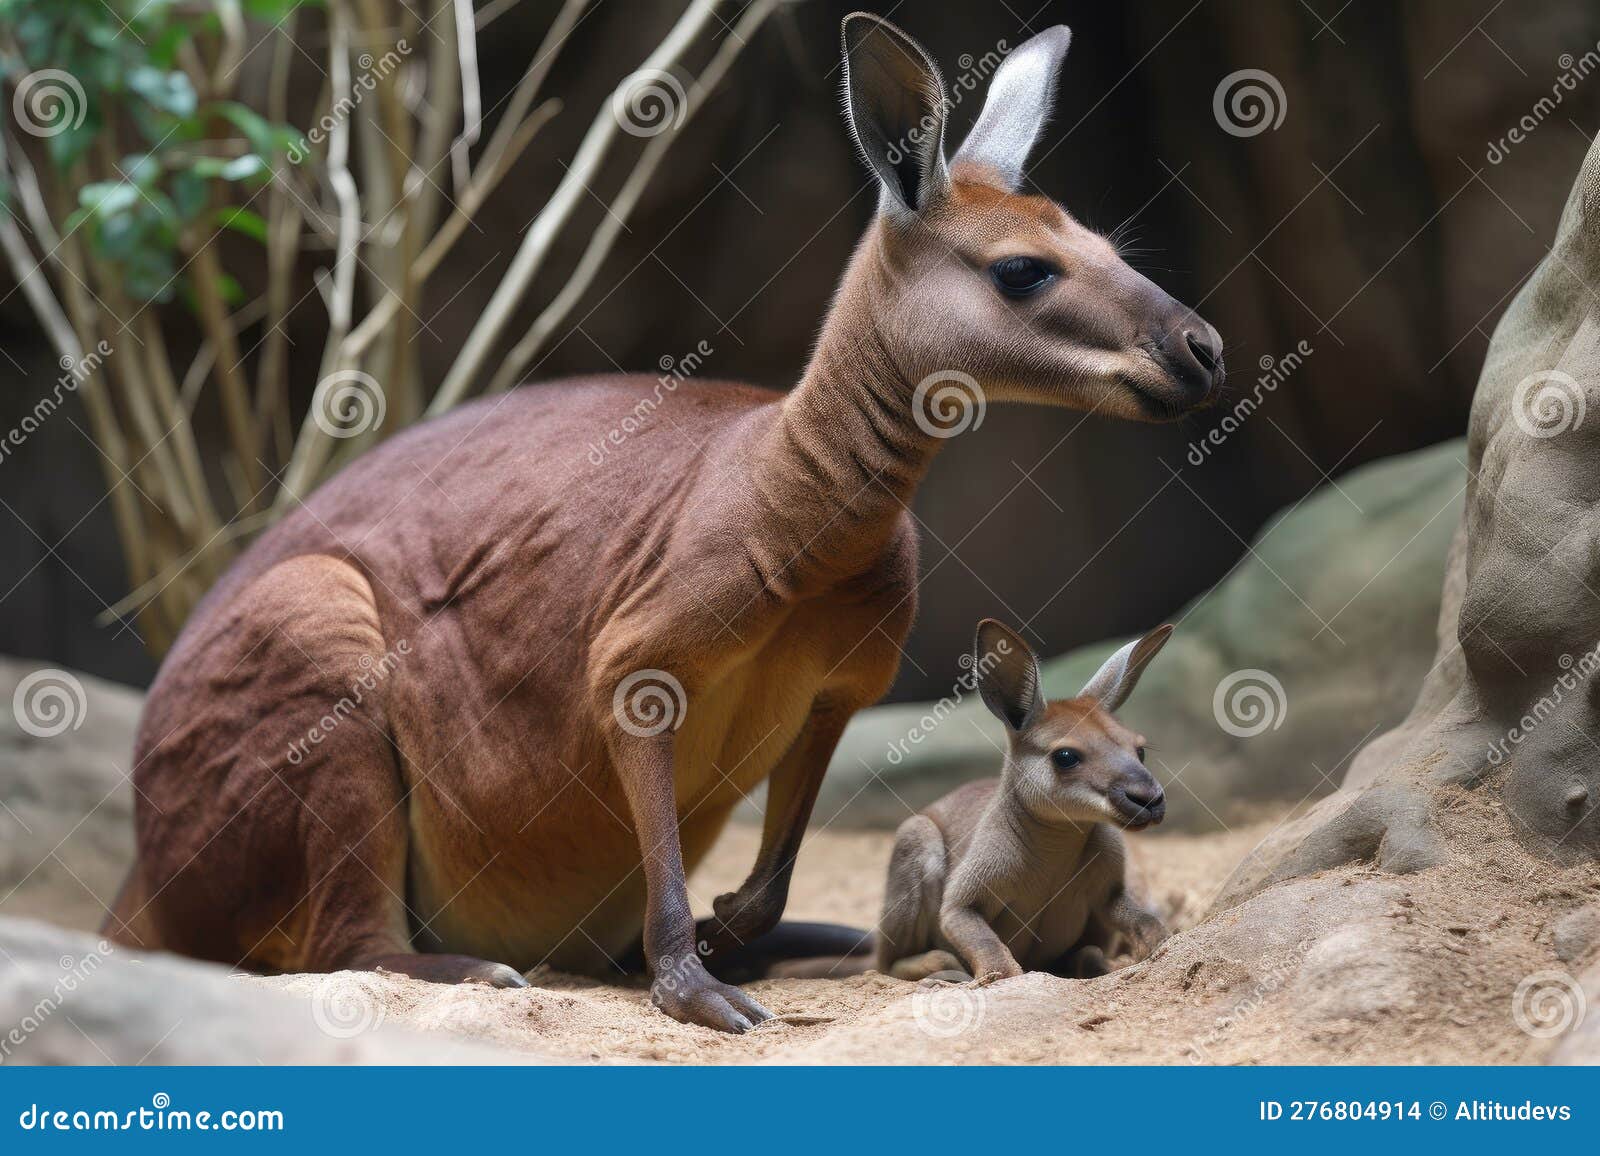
1354	966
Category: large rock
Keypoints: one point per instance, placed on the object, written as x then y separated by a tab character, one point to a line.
1314	642
66	804
1509	705
69	998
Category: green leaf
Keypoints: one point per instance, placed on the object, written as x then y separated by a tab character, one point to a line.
141	168
169	91
70	146
163	50
189	193
232	291
243	221
266	138
107	198
243	168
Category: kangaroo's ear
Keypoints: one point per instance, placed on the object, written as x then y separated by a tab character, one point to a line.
894	101
1008	675
1114	681
1018	104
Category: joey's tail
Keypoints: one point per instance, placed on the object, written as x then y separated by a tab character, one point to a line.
795	949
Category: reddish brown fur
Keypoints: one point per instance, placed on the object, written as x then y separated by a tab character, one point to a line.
480	799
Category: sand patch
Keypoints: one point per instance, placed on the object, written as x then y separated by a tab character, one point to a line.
1346	966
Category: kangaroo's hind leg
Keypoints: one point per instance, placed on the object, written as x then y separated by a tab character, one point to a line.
908	944
271	812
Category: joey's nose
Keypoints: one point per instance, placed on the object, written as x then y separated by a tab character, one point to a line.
1141	800
1145	795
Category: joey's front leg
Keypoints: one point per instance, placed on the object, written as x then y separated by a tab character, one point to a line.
681	986
1143	928
968	931
757	906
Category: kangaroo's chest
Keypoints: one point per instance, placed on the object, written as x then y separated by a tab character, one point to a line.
737	729
1042	918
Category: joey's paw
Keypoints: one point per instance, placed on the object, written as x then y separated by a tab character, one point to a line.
994	976
686	993
1146	939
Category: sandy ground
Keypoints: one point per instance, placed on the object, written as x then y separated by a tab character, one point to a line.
1349	966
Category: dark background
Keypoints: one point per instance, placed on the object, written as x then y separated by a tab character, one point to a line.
1369	224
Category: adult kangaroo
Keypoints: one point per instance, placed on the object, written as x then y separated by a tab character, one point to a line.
401	733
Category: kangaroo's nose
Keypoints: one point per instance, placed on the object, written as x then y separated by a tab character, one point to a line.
1194	355
1207	349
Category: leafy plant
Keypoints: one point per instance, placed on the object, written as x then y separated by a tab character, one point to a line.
134	149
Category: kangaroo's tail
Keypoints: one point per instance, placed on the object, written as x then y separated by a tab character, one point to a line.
795	949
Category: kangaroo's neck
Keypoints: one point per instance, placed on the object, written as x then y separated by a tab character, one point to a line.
1055	843
846	452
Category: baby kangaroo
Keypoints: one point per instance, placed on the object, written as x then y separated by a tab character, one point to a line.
1025	872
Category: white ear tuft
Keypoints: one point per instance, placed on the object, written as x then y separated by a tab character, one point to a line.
1115	680
1017	106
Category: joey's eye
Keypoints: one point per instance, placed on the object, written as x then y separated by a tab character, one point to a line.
1065	758
1139	754
1020	276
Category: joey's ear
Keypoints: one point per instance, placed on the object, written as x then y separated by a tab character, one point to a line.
1007	674
894	101
1115	681
1018	104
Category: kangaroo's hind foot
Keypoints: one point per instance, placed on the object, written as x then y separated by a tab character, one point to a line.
445	969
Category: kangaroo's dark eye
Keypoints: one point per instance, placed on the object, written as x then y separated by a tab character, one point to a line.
1140	754
1065	758
1020	276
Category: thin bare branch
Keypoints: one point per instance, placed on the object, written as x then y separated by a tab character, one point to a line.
541	234
606	234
